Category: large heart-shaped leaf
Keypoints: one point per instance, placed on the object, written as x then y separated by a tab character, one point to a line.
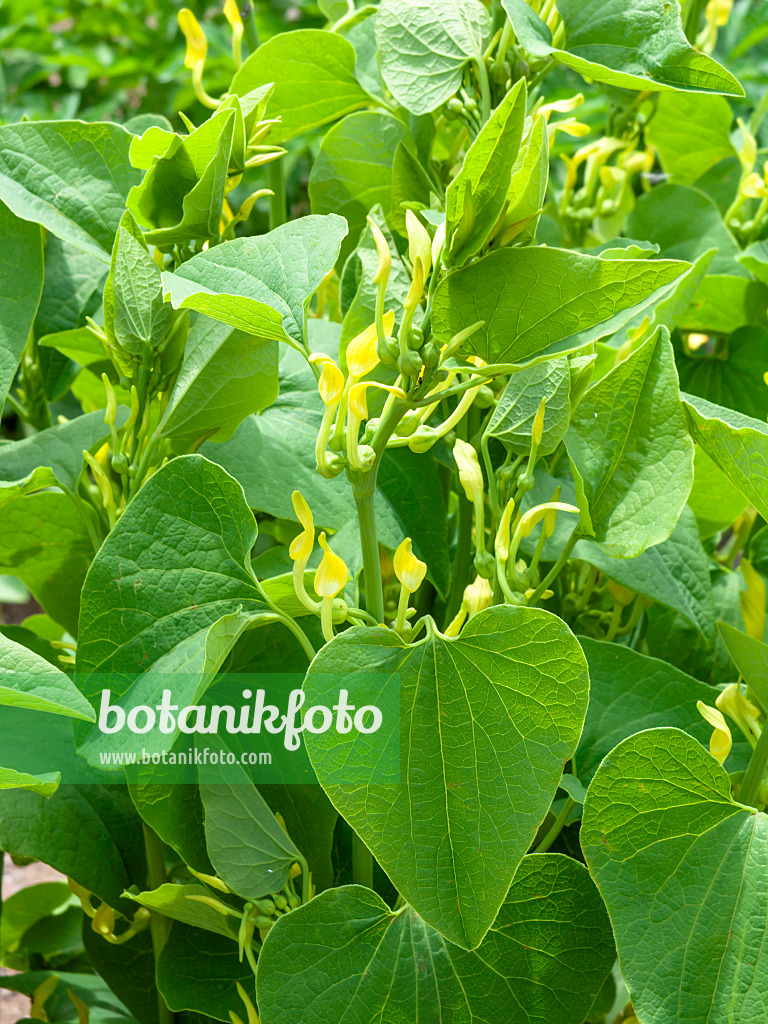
690	132
72	177
733	378
632	45
314	80
21	284
737	444
544	959
261	285
631	454
485	723
423	57
177	561
531	299
681	867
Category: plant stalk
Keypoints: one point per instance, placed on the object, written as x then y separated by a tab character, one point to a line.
556	568
160	926
753	776
362	863
557	826
276	181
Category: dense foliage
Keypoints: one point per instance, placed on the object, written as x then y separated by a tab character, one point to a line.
417	353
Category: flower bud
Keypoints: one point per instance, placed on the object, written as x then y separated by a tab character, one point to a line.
332	574
477	596
197	44
331	382
419	242
385	256
470	474
537	431
409	570
301	545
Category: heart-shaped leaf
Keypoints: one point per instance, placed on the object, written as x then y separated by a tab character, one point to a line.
484	723
544	959
681	867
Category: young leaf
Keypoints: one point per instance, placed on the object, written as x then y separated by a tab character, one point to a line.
681	867
261	285
532	298
248	847
423	56
174	901
737	444
750	657
29	681
487	706
625	44
630	452
545	957
476	197
314	80
512	419
690	132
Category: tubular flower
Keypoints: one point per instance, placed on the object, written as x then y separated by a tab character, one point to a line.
537	431
301	549
331	388
477	597
410	571
232	14
360	458
742	711
721	742
362	353
470	474
330	579
197	50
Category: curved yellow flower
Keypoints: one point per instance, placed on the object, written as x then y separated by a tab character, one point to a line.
301	548
330	579
720	743
409	570
362	351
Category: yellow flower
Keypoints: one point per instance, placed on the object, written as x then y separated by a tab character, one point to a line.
197	44
409	570
331	382
232	14
332	574
743	712
362	354
537	430
419	242
301	548
385	256
477	597
753	601
357	411
721	742
470	474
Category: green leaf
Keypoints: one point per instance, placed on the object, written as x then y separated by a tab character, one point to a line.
177	561
476	197
197	970
489	705
261	285
684	223
224	377
512	420
175	812
690	132
104	852
630	452
21	284
528	187
755	259
46	785
681	867
714	500
544	959
72	177
44	542
750	657
72	285
52	457
630	692
180	198
534	298
724	303
173	901
411	186
423	54
629	45
79	344
29	681
353	170
737	444
314	76
248	846
734	376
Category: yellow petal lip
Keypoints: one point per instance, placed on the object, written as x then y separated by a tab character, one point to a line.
197	44
470	474
358	403
331	382
409	570
477	596
362	351
332	574
232	14
301	545
720	743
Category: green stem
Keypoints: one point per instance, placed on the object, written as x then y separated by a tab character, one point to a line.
250	29
557	826
753	776
556	568
485	89
159	925
362	863
276	181
693	20
463	559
